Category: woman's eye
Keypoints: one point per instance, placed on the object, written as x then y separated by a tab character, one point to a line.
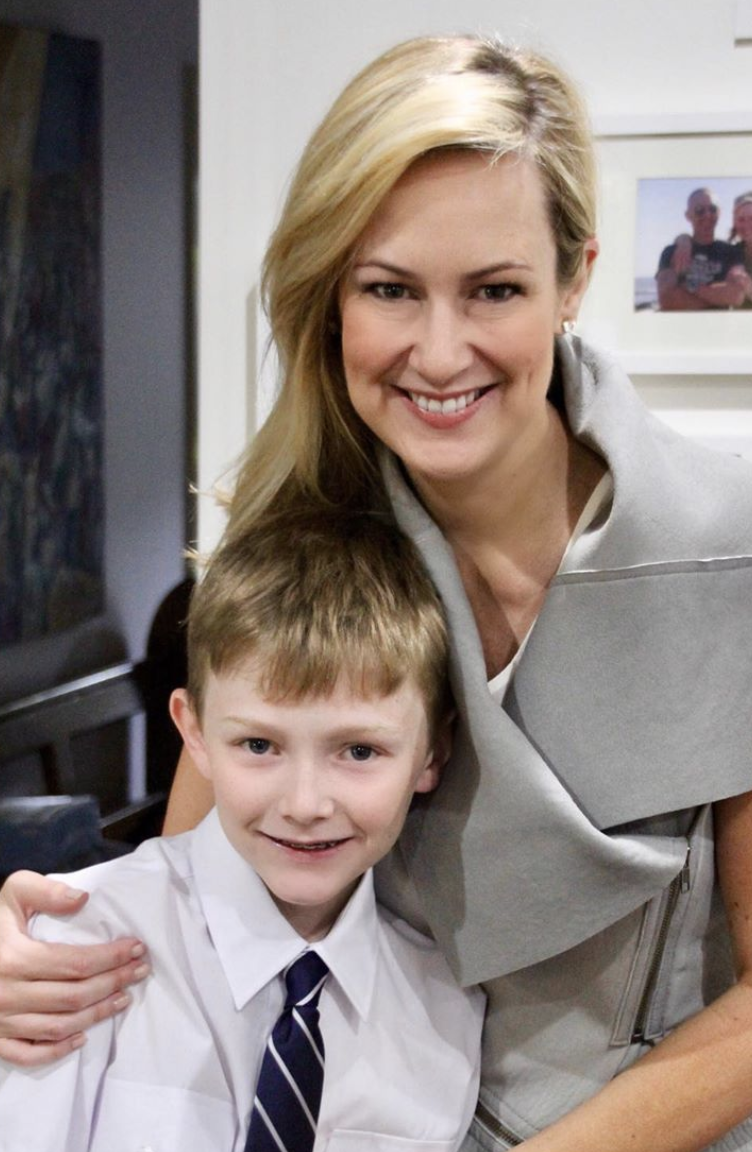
257	745
498	292
361	752
386	291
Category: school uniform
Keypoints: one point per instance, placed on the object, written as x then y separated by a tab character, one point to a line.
178	1070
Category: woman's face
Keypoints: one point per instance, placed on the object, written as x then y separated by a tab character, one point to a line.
448	317
743	223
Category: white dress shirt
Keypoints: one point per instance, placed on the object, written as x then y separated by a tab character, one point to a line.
177	1071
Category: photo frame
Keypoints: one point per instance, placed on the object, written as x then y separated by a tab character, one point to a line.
675	148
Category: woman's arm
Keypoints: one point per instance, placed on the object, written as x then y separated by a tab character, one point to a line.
697	1083
51	993
190	797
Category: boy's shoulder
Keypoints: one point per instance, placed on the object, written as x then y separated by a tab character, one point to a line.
415	960
126	894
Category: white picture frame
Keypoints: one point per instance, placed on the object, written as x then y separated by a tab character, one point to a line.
634	148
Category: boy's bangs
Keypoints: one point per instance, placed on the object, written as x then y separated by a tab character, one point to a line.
292	672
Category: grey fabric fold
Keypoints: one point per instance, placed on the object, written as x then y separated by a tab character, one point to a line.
630	700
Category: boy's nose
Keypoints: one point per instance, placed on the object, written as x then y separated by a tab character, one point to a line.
305	797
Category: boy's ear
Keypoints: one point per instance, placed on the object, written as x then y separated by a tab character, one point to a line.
438	754
187	723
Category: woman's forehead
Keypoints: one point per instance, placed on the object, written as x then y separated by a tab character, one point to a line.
463	203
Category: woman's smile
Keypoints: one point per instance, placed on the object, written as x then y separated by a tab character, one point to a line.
449	313
446	411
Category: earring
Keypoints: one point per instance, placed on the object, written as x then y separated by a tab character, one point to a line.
569	327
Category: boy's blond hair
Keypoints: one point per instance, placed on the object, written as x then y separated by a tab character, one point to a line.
316	596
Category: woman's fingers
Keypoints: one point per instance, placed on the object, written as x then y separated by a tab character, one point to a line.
64	1027
72	992
42	1020
25	892
24	961
26	1054
51	993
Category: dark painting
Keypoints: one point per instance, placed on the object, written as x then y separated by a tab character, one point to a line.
51	486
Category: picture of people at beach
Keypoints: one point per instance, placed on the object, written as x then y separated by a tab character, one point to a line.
693	248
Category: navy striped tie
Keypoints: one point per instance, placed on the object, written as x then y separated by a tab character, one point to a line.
288	1093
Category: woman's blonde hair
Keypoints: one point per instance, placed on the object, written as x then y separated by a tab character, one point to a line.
743	199
422	96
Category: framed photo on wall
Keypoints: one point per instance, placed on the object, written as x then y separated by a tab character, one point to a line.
652	172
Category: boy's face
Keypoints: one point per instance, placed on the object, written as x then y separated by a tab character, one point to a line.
310	793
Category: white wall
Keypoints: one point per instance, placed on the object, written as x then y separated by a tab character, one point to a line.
144	49
271	67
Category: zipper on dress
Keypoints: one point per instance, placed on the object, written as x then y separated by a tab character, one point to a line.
494	1127
678	886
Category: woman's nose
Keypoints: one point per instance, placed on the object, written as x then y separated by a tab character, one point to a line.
442	349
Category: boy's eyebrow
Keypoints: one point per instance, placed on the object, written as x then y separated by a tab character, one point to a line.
355	729
350	728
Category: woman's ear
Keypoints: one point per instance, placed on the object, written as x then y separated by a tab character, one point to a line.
185	719
572	296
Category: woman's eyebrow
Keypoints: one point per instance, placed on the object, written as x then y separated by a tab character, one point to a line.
474	274
392	269
501	266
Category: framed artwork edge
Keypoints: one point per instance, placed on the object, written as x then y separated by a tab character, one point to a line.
737	120
663	344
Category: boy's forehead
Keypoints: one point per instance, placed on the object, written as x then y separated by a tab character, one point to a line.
246	681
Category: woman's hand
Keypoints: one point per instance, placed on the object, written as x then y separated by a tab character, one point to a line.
51	993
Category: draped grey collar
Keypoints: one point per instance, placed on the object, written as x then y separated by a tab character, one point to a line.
628	702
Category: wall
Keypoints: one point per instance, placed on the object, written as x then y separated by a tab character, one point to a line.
145	49
269	70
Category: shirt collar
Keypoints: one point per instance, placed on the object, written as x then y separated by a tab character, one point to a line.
252	938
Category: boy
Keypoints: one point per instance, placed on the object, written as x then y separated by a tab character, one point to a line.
317	706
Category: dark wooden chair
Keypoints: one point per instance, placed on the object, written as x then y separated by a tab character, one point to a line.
48	745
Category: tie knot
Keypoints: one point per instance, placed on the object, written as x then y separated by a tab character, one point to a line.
304	980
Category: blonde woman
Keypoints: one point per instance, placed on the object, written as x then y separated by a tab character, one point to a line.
741	237
595	817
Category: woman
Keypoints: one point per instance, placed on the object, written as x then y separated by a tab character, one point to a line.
422	284
741	235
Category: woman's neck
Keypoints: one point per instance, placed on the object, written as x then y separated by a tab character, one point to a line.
510	530
533	495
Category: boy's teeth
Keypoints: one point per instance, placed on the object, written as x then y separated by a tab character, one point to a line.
453	404
311	847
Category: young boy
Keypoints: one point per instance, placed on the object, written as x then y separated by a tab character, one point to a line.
317	707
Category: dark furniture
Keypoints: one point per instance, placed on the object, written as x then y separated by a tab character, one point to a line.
73	740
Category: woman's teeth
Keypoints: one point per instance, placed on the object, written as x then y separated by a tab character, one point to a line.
453	404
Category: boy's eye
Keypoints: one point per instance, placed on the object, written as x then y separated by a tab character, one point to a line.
257	745
361	752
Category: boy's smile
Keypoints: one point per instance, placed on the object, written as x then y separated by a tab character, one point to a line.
311	793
